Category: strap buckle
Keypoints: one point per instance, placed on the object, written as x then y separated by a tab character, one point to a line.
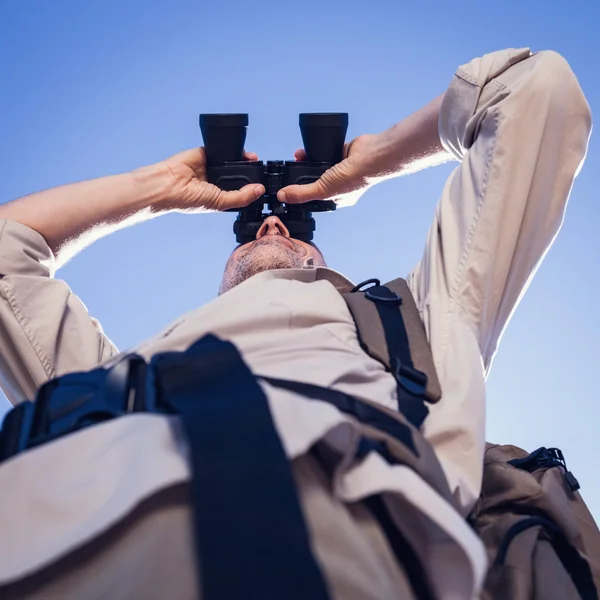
378	294
410	379
361	285
412	385
74	401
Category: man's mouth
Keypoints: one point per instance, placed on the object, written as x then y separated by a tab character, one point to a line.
277	239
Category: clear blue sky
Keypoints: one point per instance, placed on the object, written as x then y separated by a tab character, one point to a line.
95	88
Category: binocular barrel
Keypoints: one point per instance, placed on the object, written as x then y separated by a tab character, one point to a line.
224	135
323	136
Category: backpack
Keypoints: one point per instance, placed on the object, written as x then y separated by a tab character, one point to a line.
235	452
541	540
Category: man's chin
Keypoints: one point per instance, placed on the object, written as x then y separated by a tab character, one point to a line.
259	257
268	256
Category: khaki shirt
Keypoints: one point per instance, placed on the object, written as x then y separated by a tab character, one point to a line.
519	124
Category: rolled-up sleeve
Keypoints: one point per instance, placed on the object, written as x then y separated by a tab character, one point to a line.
520	125
45	329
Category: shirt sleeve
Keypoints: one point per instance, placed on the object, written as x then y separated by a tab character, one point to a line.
520	125
45	329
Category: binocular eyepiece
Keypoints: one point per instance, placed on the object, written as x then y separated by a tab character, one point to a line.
224	135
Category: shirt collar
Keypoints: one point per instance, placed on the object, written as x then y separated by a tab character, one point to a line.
306	275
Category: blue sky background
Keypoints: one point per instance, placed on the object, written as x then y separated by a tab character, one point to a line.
95	88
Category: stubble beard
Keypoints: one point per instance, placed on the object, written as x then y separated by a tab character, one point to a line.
261	257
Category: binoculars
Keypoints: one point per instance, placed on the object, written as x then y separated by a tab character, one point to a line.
224	135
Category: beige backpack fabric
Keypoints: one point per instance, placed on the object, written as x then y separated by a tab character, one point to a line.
541	539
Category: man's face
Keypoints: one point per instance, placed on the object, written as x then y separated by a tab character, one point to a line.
273	248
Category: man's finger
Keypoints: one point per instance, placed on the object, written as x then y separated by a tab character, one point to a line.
298	194
300	154
250	156
240	198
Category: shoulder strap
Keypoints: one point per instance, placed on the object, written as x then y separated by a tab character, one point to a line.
247	515
390	330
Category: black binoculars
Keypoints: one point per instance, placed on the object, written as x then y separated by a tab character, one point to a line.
224	135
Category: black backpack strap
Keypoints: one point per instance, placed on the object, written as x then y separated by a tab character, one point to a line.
365	413
390	330
251	536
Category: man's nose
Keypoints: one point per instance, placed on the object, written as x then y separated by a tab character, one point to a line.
272	226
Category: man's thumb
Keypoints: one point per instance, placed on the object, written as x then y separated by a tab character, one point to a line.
298	194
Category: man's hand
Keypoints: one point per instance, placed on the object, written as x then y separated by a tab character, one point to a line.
409	146
73	216
191	192
345	182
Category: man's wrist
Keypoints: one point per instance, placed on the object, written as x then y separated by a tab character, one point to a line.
413	143
157	187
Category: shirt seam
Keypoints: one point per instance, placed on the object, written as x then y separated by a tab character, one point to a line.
45	363
459	277
469	78
2	229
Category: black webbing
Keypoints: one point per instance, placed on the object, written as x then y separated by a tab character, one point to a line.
364	412
574	563
393	324
411	405
252	540
409	561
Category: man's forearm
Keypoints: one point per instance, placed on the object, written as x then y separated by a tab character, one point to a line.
413	143
72	216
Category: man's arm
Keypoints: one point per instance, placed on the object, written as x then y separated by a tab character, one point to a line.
519	123
45	330
71	217
409	146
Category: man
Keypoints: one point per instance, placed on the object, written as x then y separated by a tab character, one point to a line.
519	124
